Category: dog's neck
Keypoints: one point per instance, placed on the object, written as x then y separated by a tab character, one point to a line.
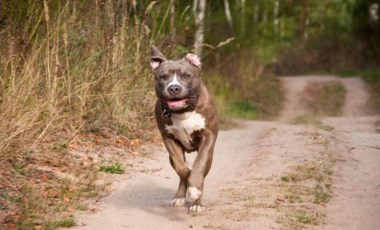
167	112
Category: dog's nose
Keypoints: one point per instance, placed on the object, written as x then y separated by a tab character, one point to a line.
174	89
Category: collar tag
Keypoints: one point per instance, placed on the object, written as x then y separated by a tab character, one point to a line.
166	114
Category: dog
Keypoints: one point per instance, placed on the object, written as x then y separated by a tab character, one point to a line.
187	120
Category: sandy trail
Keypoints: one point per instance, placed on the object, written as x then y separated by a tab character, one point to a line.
244	188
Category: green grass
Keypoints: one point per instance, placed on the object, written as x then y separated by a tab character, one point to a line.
6	196
241	109
64	223
81	207
321	194
372	77
115	168
289	177
312	120
324	99
257	98
304	218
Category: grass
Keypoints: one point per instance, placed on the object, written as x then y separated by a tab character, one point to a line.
304	218
80	69
305	185
324	99
261	98
313	120
115	168
322	194
67	67
242	109
372	77
81	207
64	223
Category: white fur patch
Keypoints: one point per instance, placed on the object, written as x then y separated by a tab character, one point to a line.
194	193
178	202
174	81
184	125
196	209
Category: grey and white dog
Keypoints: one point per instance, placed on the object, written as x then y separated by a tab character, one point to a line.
187	119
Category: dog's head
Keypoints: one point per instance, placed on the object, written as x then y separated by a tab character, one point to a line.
177	82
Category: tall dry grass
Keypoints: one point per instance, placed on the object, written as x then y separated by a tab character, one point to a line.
69	65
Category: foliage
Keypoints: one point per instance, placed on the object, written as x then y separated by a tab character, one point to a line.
69	67
372	76
114	168
324	99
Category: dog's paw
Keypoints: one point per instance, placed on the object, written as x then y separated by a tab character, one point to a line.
195	209
194	193
178	202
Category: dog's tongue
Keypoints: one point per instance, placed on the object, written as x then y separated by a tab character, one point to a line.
177	104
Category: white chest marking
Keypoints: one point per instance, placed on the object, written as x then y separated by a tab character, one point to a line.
184	125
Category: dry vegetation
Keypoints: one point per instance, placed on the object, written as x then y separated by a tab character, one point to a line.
324	99
76	98
65	70
248	91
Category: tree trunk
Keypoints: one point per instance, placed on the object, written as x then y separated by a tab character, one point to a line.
276	8
242	5
199	8
304	21
172	20
227	11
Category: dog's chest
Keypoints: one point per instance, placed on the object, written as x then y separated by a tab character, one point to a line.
184	125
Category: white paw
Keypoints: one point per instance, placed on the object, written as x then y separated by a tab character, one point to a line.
178	202
194	193
196	209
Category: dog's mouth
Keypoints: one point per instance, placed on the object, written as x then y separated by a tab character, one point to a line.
178	103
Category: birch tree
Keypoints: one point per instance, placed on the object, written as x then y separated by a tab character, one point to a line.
172	18
199	9
227	11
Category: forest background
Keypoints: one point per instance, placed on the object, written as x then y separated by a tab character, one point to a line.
74	67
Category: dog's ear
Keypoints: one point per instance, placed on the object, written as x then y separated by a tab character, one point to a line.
156	57
193	59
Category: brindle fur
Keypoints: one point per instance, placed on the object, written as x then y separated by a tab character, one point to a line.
202	141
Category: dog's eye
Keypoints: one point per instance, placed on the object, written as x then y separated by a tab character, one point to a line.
188	75
162	76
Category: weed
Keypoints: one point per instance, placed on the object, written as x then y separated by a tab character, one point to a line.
116	168
304	218
328	169
6	196
294	198
19	169
324	99
321	194
245	91
289	178
64	223
312	120
305	186
81	207
372	77
243	110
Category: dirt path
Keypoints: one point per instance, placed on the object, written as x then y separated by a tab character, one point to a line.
266	175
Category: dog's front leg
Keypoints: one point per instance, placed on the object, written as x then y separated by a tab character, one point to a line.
178	162
200	169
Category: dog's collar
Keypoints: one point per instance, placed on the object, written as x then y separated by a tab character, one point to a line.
166	112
